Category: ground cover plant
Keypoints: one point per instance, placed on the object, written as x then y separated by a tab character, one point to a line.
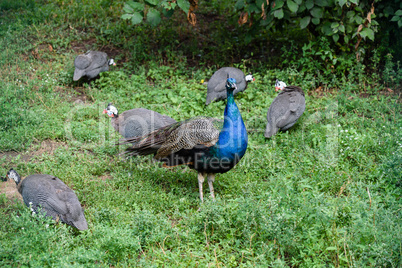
326	193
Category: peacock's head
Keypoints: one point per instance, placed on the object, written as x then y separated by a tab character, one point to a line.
111	62
231	84
12	174
111	111
250	78
279	85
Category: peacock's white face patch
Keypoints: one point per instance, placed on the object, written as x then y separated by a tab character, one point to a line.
279	85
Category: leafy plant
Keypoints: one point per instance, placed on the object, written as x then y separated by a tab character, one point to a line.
152	10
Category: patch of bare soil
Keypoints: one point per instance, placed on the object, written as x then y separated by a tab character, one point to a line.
38	149
10	189
47	146
76	95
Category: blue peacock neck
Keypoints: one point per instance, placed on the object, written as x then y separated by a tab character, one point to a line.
232	142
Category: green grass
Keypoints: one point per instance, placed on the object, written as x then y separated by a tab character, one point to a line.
326	193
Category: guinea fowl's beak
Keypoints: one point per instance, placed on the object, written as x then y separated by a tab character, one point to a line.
277	88
104	111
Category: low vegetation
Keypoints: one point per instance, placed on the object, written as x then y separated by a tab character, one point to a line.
326	193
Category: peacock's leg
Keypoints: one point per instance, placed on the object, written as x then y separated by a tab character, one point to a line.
201	178
211	179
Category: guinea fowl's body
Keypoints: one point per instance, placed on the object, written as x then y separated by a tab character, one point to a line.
137	122
216	85
91	64
285	110
201	142
54	198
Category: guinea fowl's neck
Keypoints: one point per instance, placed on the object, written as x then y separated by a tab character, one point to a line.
232	141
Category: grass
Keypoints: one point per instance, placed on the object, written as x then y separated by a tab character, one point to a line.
325	193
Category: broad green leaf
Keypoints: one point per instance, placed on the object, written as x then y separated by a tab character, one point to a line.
293	7
358	19
317	12
167	12
356	2
350	14
254	8
367	32
304	22
400	24
326	28
315	21
342	2
135	5
126	16
239	4
388	11
395	18
137	18
278	4
153	17
335	37
342	28
152	2
346	39
322	3
299	2
334	25
309	4
278	13
184	5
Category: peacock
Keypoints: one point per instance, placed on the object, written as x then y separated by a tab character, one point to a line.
205	144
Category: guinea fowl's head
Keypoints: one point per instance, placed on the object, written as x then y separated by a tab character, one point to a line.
250	78
111	111
12	174
231	84
279	85
111	62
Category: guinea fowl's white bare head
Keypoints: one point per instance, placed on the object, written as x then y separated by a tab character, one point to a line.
250	78
12	174
111	111
279	85
111	62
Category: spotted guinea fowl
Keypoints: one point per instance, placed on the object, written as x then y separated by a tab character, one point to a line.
202	143
216	85
286	108
54	198
91	64
136	122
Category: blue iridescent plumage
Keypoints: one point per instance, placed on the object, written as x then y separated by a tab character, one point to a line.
199	142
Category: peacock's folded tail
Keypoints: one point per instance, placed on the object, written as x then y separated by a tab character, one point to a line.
192	134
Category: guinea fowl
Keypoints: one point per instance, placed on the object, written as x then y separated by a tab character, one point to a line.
136	122
201	143
286	108
91	64
216	85
54	197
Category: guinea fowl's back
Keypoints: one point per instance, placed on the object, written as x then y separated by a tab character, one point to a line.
140	121
216	85
285	110
55	198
